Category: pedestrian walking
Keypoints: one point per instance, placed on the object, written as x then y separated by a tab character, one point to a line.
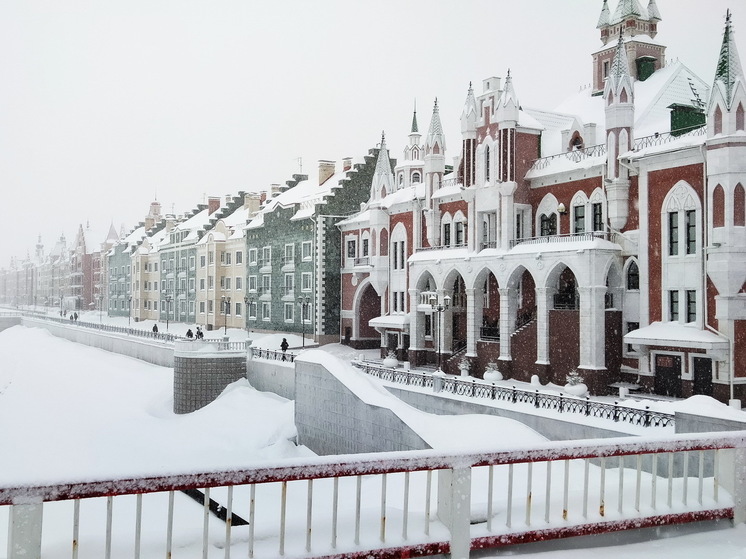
155	328
284	347
190	334
200	333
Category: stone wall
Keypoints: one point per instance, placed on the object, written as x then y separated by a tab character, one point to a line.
690	423
331	419
150	351
202	372
272	376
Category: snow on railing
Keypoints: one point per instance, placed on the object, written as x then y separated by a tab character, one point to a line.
388	504
560	403
271	354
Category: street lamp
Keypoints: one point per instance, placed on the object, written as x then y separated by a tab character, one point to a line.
168	309
440	308
100	308
248	303
226	310
303	301
129	310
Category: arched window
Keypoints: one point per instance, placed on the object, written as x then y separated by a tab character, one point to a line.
718	125
718	207
576	142
739	206
416	177
548	224
739	117
633	276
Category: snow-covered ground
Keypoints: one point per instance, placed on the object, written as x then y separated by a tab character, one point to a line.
73	412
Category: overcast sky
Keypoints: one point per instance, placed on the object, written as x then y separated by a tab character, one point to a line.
106	105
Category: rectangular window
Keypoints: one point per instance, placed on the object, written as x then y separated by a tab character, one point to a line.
228	283
395	302
210	282
252	283
289	284
447	234
191	262
222	257
239	257
306	313
289	312
673	233
402	255
519	225
210	305
305	280
428	325
238	309
691	305
365	247
306	250
210	257
630	327
691	231
289	254
239	283
578	224
548	225
228	259
191	307
351	249
202	284
395	255
155	265
267	256
266	283
202	261
252	255
183	264
202	307
252	310
673	305
266	310
191	284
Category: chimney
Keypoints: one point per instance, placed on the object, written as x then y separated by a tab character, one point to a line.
326	170
170	221
274	190
253	201
347	164
228	199
213	204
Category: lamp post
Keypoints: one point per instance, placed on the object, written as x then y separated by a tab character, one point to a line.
226	309
248	301
129	310
303	301
440	308
168	309
100	308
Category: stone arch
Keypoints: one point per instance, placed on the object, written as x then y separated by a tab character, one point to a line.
718	207
366	305
739	206
547	212
487	304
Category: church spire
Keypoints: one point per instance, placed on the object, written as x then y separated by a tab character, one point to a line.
620	65
603	19
383	178
414	119
654	13
435	132
729	69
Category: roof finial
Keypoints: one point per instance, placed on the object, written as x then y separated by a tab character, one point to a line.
508	76
415	128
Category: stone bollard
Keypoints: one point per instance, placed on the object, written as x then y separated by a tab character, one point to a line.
438	377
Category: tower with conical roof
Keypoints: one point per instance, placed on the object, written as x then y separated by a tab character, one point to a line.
726	189
619	100
469	116
410	170
637	26
435	166
383	179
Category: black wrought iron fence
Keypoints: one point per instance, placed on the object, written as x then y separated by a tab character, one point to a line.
272	354
560	403
160	336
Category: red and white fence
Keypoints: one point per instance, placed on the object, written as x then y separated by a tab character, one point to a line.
387	505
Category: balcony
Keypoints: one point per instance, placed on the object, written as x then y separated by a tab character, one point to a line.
362	261
564	238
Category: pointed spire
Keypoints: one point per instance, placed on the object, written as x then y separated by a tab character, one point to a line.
435	126
603	19
414	118
620	65
383	178
654	13
626	9
729	68
508	92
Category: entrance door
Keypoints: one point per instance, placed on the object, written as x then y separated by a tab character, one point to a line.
702	376
668	375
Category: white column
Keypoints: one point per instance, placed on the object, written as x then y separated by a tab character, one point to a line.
507	321
473	314
543	304
416	322
24	531
592	327
454	508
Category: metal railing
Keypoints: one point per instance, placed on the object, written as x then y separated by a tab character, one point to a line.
658	139
271	354
147	334
489	333
560	403
575	156
388	504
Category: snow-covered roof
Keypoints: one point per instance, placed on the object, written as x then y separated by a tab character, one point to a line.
675	334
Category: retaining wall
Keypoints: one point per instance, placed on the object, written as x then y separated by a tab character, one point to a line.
331	419
272	376
150	351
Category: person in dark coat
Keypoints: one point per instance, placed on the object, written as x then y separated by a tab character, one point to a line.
190	334
155	328
200	333
284	347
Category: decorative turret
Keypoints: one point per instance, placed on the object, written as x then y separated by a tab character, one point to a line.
383	179
637	26
619	101
411	170
508	106
435	164
469	139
